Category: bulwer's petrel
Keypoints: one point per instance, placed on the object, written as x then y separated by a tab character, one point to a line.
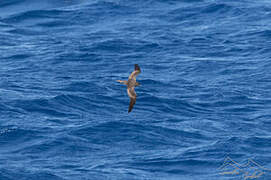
131	84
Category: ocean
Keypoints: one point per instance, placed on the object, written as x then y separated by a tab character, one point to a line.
203	108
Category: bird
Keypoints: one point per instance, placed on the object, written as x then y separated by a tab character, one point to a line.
131	84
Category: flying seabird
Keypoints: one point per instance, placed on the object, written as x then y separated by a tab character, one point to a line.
131	84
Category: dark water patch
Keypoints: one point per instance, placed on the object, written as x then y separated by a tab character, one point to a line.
265	34
6	108
182	14
11	2
20	56
25	32
141	135
124	46
181	167
111	8
27	174
216	8
74	102
42	106
12	139
82	86
117	45
30	17
259	142
53	147
149	85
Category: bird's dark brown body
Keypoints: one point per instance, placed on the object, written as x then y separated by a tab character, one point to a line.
131	84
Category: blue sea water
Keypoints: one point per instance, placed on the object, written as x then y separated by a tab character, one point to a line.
205	92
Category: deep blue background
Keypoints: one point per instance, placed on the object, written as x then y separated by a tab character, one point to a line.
205	89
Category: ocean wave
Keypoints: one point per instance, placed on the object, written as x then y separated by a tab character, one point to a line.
203	94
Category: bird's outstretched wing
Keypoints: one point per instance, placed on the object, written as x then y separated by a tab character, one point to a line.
135	72
132	95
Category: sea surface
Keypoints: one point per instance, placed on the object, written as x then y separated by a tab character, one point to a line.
203	108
